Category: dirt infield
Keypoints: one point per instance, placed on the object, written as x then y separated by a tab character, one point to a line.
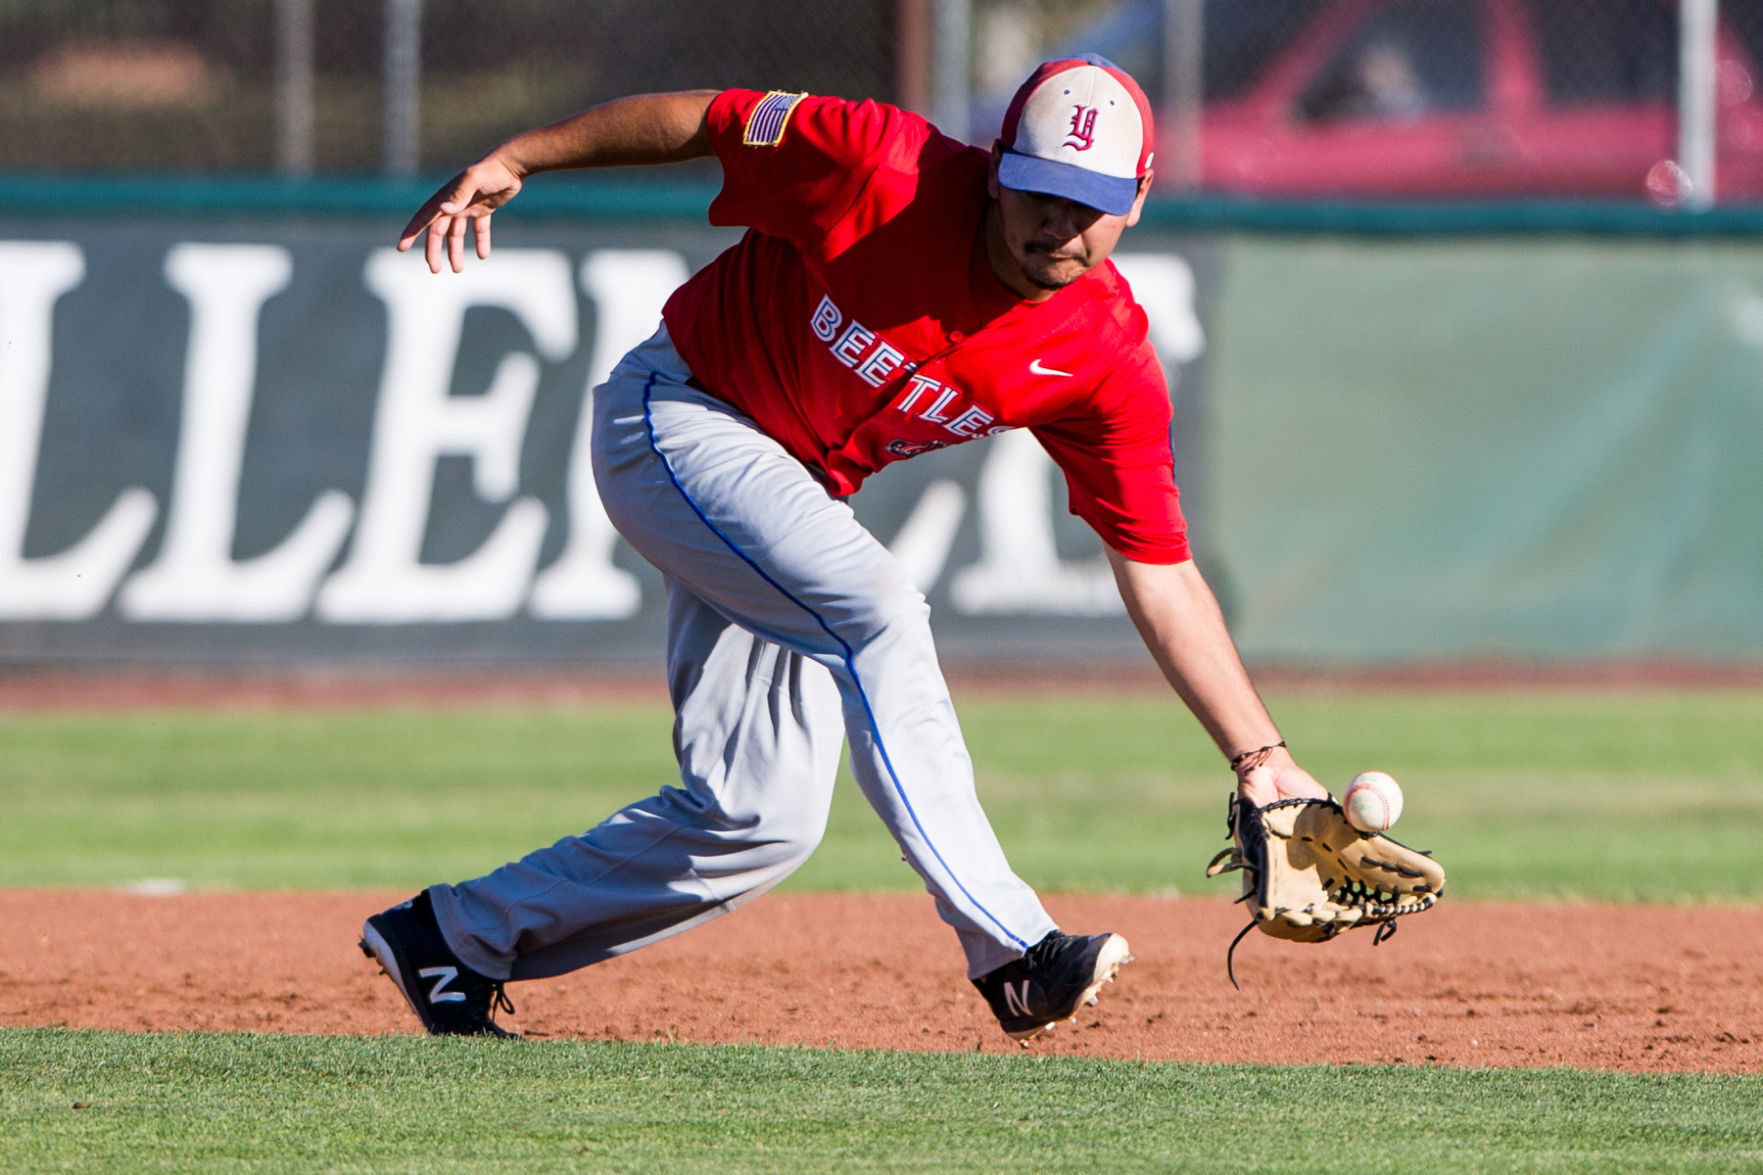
1471	984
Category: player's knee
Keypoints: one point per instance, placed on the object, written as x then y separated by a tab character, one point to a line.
791	822
792	836
801	826
801	846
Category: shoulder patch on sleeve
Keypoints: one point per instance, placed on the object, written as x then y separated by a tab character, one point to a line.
765	125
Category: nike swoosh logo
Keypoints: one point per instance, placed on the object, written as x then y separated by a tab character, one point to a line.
1040	370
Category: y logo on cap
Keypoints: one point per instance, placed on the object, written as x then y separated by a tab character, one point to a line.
1083	128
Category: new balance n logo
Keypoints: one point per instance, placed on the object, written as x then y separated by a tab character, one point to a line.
442	977
1016	998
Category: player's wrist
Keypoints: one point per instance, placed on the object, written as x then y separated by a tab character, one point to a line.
1248	759
510	158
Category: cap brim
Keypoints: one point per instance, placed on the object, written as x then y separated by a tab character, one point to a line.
1106	193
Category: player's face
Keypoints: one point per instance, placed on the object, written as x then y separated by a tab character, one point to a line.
1040	244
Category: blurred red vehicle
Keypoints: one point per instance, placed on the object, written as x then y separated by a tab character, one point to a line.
1470	98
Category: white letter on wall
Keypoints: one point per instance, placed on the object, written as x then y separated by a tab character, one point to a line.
74	584
195	578
925	538
629	287
1163	284
1019	569
384	580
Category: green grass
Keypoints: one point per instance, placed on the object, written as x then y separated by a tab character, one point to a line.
1614	795
220	1102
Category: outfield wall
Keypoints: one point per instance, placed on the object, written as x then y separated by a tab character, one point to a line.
239	430
1546	448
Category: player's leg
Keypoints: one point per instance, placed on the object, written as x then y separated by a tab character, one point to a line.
758	731
702	494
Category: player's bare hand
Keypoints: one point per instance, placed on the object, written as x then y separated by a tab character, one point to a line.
465	201
1277	777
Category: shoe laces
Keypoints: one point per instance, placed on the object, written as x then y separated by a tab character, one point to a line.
1043	952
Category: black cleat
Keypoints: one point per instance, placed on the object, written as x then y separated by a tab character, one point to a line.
447	996
1059	975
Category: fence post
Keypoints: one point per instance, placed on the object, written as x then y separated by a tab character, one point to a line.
951	31
912	42
1183	49
1696	99
403	87
293	91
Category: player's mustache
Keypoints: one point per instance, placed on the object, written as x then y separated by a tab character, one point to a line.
1055	249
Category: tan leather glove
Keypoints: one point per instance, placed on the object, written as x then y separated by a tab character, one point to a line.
1308	875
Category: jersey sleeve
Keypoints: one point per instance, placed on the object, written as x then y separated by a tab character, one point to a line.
793	164
1119	467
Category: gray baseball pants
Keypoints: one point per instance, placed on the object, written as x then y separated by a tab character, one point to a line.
790	631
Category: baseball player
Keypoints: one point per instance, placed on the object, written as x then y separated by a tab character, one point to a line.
896	292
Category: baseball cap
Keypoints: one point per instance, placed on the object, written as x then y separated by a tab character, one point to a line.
1080	128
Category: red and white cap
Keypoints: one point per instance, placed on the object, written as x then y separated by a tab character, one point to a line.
1080	128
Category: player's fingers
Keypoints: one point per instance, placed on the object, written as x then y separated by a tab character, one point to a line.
456	243
416	226
420	223
481	232
438	206
432	247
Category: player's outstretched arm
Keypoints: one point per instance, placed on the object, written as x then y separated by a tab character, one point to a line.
1181	623
644	129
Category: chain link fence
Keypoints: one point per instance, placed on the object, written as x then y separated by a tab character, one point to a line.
207	86
1301	98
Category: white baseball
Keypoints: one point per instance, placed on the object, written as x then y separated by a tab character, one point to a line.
1373	801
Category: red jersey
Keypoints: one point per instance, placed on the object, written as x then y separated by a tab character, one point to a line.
859	322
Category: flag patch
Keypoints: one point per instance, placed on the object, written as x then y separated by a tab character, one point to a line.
765	125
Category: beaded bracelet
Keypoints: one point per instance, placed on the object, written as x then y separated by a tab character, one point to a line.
1237	761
